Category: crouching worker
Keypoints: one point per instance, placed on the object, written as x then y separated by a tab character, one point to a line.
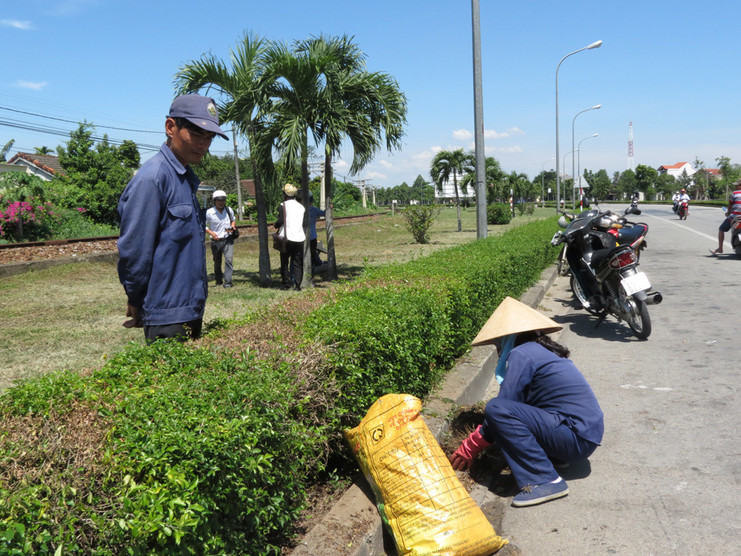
545	412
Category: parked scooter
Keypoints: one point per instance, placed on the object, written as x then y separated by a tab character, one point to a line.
604	274
624	231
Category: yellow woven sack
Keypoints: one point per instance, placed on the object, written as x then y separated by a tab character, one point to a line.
417	492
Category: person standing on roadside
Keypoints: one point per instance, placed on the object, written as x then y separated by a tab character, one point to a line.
162	254
219	225
734	209
314	214
290	225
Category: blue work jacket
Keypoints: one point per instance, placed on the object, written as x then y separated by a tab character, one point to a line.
162	254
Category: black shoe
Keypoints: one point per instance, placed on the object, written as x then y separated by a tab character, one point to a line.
227	285
218	282
285	287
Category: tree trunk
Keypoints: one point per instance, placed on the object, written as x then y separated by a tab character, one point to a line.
457	200
306	281
329	216
265	274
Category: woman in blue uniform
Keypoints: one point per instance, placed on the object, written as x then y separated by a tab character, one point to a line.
545	412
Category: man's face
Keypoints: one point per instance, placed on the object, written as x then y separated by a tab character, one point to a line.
188	143
220	203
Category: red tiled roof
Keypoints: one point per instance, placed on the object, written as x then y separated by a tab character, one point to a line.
671	166
46	162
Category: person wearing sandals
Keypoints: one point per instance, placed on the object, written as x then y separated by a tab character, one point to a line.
545	413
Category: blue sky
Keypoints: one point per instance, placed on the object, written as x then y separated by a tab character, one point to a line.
669	67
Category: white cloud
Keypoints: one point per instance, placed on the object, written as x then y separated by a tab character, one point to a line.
493	134
17	24
338	164
385	164
462	134
514	149
374	176
35	85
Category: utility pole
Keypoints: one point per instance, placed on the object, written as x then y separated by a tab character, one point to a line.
236	174
478	117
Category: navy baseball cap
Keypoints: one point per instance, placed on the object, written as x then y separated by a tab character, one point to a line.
198	110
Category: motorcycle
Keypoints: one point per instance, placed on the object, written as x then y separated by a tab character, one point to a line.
604	272
624	231
736	235
683	208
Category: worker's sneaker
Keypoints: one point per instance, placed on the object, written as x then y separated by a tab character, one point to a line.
531	495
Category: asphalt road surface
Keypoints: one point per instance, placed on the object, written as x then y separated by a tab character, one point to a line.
667	478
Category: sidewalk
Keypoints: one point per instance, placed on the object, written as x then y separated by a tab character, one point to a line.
353	526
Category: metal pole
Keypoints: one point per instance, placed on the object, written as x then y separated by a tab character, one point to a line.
478	117
595	44
236	174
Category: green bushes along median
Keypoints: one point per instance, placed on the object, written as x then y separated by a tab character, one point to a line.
205	449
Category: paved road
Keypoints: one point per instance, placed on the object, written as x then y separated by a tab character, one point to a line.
667	479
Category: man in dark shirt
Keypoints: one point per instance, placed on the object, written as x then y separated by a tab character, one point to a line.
162	258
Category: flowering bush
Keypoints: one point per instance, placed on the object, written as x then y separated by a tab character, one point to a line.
25	220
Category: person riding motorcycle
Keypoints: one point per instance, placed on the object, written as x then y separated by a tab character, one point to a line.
734	209
683	198
675	201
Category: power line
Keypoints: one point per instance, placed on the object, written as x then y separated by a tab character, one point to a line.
77	122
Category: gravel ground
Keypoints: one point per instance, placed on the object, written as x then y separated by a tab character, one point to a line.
44	252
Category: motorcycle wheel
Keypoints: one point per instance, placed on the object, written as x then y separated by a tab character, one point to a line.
638	319
563	264
580	296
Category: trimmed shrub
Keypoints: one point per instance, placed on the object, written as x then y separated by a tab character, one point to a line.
498	213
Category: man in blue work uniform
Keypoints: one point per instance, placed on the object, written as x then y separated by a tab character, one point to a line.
545	415
162	256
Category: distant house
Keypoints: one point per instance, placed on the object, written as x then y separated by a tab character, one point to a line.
448	192
676	170
45	166
248	188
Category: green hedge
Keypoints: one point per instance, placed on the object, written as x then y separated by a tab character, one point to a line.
181	450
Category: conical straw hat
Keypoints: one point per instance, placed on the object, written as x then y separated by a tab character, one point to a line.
513	317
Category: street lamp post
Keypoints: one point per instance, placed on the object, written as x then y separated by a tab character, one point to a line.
573	121
578	168
595	44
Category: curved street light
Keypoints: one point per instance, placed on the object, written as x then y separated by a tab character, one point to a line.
595	44
578	168
573	121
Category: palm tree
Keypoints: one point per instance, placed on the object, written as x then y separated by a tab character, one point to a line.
242	87
43	150
493	174
366	108
447	163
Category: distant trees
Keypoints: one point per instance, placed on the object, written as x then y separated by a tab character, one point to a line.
94	174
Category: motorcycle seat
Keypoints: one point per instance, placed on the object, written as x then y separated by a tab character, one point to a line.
601	256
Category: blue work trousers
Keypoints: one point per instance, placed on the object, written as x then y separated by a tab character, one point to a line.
530	438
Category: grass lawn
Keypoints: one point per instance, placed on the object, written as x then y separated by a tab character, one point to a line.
69	317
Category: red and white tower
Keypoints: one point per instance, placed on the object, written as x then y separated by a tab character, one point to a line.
631	163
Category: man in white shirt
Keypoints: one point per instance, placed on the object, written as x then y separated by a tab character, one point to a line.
219	225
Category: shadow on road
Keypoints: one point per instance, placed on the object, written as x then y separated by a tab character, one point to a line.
585	324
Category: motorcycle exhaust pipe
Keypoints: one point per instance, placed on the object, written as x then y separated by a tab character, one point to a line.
654	298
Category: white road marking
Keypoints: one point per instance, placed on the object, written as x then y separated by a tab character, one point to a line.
678	225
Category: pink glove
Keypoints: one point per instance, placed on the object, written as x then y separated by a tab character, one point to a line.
468	450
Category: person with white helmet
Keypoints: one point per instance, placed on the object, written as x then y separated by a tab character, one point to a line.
220	224
545	413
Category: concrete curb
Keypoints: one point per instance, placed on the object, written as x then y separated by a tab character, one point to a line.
355	513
